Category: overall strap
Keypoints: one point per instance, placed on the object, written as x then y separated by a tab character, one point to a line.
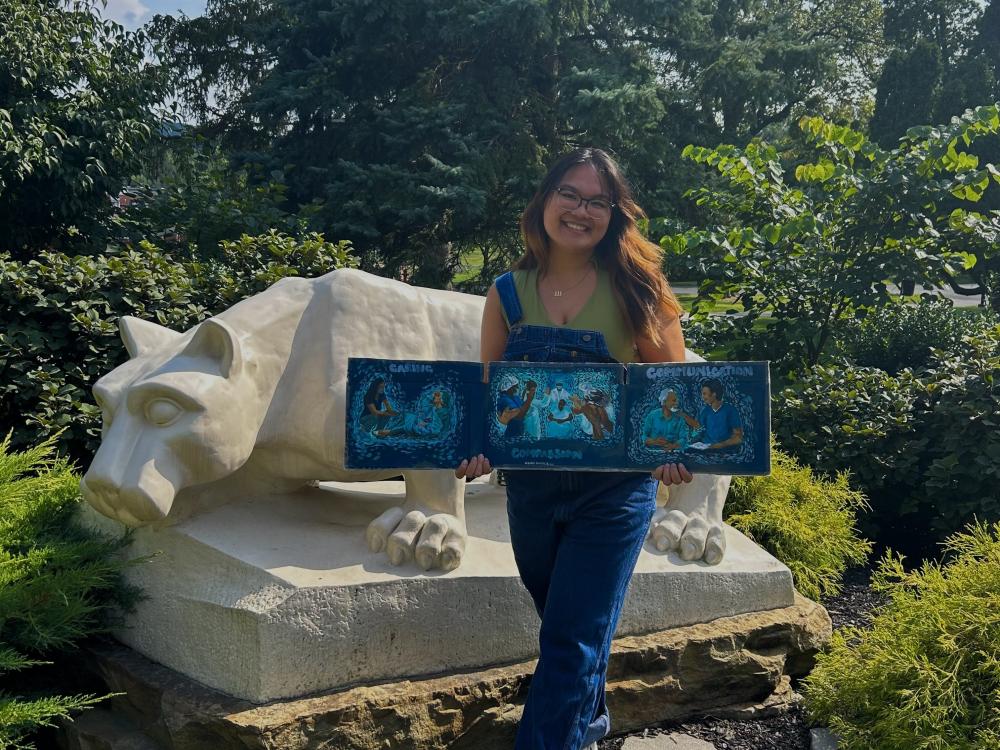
508	298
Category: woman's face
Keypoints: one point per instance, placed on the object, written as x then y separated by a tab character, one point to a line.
576	230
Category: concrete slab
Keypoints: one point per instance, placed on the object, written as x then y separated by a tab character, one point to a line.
823	739
675	741
266	599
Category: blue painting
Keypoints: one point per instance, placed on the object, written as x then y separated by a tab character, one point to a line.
555	414
705	415
409	414
712	416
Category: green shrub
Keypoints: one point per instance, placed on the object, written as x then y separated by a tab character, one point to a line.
251	264
840	417
927	672
961	425
194	195
895	337
737	337
924	447
59	583
61	332
710	335
805	521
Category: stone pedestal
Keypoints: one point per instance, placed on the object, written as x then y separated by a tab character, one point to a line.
267	599
737	666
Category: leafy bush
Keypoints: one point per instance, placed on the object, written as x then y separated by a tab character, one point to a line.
924	447
927	673
253	263
736	337
805	521
62	332
708	334
811	245
76	106
894	337
962	428
59	583
194	196
840	417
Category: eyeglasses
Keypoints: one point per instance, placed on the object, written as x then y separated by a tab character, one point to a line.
569	199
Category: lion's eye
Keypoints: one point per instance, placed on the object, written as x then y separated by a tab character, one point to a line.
162	412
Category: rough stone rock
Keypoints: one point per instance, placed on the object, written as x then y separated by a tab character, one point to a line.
680	673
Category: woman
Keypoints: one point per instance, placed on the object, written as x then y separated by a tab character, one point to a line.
377	410
589	288
428	423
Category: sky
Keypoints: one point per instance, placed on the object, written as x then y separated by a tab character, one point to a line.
134	13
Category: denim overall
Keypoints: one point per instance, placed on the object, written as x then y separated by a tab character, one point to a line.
576	537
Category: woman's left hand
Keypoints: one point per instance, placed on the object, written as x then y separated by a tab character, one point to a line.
672	474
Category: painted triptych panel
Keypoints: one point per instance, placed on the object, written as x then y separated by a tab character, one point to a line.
714	416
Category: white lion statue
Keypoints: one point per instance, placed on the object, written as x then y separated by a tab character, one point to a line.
256	397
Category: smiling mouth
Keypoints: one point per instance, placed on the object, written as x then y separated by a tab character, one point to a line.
576	227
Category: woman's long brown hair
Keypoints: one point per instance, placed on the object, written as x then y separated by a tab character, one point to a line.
634	264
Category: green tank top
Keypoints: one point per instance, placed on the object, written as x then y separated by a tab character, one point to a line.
600	313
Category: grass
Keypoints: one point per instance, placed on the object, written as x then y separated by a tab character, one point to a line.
470	265
713	306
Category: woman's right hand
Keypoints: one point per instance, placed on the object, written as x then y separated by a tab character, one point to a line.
473	467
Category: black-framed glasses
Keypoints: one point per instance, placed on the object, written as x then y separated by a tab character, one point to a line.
569	199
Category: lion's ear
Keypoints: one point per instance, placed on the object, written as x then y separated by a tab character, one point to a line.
140	336
217	342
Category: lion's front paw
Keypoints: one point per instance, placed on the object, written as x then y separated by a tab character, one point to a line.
694	537
434	541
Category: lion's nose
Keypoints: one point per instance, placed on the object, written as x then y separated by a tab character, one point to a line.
101	494
133	508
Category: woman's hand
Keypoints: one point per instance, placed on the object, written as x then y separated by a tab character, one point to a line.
672	474
474	467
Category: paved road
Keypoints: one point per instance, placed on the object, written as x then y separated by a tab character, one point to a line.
959	300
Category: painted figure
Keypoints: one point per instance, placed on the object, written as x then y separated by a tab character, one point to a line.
718	425
533	417
665	428
592	406
429	422
377	409
559	393
560	421
511	408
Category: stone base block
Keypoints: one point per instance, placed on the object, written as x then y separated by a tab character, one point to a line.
268	599
733	666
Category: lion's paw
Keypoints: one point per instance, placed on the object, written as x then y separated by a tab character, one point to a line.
691	535
434	541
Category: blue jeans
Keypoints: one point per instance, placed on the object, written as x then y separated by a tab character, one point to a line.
576	538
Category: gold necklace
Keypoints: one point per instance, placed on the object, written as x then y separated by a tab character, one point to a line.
560	292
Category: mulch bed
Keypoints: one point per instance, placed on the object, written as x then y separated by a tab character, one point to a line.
788	730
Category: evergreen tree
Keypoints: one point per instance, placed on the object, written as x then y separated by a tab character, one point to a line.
422	126
904	97
59	583
938	65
